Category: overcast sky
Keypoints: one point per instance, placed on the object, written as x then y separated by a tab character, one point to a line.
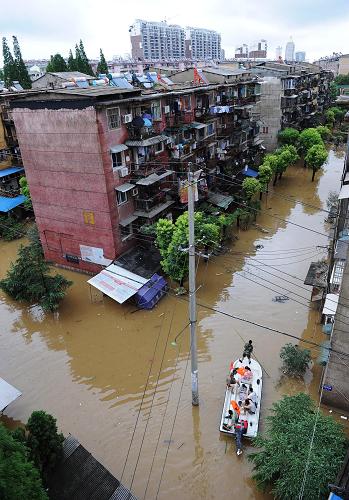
43	27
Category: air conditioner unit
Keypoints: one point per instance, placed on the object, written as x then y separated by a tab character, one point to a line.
123	172
166	109
134	192
128	118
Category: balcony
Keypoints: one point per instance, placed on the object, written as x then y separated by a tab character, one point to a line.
177	120
153	205
140	133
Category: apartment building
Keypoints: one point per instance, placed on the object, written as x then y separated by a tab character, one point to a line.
102	162
159	41
292	95
203	44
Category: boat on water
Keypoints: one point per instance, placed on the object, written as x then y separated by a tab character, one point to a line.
235	395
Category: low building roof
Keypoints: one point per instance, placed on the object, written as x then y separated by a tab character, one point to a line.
80	475
11	170
225	72
317	274
66	75
7	204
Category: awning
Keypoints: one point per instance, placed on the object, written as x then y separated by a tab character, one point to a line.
317	274
257	142
7	204
118	148
152	178
118	283
11	170
155	211
123	188
197	125
344	192
248	172
331	304
150	141
128	220
8	394
220	200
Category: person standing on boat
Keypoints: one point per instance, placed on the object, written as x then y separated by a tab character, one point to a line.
240	428
248	348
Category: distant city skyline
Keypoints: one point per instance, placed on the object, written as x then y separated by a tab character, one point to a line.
316	29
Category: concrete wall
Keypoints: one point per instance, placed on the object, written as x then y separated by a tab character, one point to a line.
343	68
66	171
47	81
269	108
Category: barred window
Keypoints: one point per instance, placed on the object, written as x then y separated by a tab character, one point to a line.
113	115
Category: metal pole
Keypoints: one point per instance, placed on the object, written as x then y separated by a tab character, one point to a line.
192	292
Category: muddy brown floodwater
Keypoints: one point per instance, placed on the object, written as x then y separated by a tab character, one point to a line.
97	366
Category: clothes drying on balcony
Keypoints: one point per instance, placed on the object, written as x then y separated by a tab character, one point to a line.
221	109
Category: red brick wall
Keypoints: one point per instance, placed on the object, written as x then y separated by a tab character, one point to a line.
71	184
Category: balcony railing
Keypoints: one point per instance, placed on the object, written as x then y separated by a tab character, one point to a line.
148	204
139	133
180	118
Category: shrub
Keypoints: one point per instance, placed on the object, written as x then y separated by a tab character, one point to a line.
295	360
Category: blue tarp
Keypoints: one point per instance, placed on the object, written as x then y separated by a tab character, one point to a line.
11	170
7	204
249	172
151	292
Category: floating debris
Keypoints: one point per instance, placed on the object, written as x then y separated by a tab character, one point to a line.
280	298
259	246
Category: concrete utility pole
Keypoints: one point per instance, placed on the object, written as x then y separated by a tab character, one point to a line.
192	291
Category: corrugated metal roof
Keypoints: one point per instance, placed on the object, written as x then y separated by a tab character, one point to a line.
11	170
150	141
7	204
152	178
118	148
71	74
220	200
123	188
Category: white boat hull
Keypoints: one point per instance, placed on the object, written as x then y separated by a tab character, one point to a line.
233	395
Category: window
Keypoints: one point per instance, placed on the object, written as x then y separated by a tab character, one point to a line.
265	130
186	103
113	115
156	110
126	232
118	159
159	147
210	128
121	197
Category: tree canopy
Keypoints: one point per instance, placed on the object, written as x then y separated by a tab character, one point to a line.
316	157
18	476
56	64
24	188
172	239
284	450
22	72
102	67
14	67
295	360
265	175
342	79
71	65
308	138
288	136
251	187
325	132
28	280
44	442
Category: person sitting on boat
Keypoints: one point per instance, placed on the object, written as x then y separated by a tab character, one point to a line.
252	395
231	381
243	392
248	375
240	428
228	421
249	407
235	407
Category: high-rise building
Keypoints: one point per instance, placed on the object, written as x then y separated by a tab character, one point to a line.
278	53
241	52
289	52
160	41
202	44
258	50
300	56
157	41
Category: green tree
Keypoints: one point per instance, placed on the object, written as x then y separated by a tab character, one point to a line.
265	176
251	187
56	64
325	132
288	136
342	79
10	228
295	360
1	75
334	91
172	241
330	118
28	280
102	67
82	60
23	75
338	113
10	69
284	450
44	442
19	479
287	156
71	65
25	191
308	138
316	157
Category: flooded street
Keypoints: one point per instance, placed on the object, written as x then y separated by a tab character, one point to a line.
112	378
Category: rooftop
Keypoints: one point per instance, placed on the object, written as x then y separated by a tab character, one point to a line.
66	75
